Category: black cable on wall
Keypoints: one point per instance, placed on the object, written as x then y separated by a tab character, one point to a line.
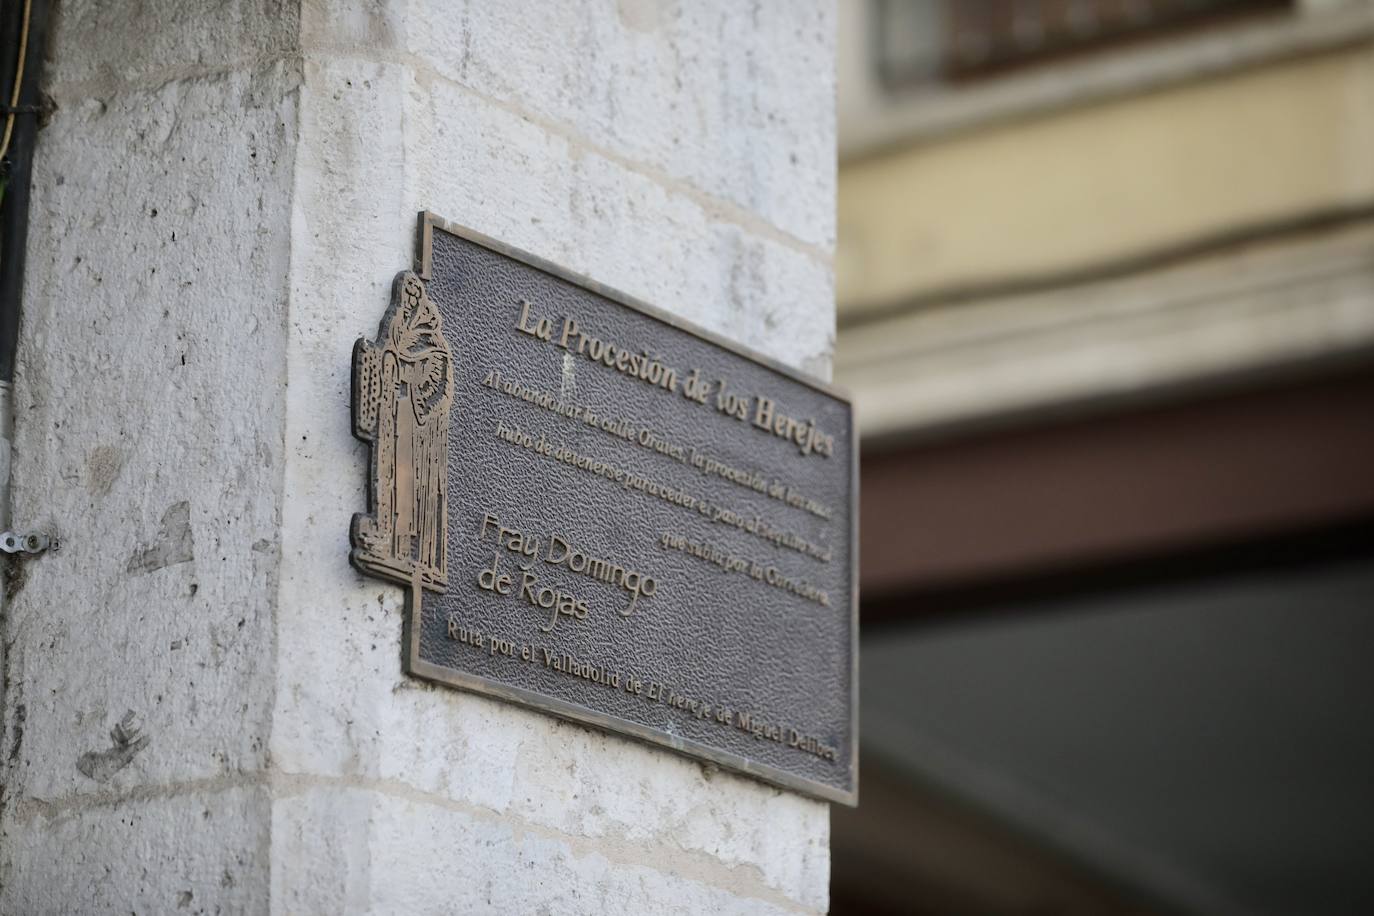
24	35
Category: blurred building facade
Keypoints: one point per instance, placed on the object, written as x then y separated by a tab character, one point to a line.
1106	283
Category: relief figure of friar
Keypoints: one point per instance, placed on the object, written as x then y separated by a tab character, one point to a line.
402	392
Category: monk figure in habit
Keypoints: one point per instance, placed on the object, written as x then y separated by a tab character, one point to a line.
403	389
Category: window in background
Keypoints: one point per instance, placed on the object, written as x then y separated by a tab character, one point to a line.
922	42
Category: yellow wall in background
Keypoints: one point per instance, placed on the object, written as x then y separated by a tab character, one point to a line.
1107	181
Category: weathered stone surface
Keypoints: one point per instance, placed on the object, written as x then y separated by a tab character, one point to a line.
101	46
395	854
197	852
730	103
149	434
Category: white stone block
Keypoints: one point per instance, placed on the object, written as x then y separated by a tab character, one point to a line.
203	850
734	102
101	45
149	437
390	854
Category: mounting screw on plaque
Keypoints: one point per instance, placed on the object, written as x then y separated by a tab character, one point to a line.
27	543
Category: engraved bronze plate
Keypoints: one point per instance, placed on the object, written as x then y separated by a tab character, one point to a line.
610	515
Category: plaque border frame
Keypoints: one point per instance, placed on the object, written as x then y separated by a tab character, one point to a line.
413	665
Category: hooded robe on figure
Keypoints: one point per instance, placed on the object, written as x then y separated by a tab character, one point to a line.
404	392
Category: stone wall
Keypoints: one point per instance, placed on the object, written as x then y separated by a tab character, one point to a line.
220	203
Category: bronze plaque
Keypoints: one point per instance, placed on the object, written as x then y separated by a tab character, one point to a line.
610	515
